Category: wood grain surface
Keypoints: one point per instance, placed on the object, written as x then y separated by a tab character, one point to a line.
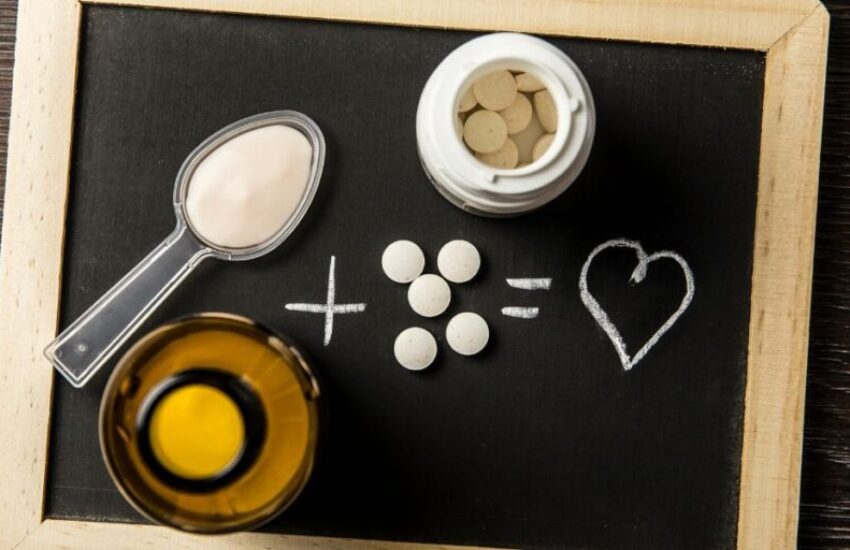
825	506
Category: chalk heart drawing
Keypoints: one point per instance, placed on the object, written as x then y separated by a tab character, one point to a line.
637	276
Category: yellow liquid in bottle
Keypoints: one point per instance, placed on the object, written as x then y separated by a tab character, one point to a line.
196	431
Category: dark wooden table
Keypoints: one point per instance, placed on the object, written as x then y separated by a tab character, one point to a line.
825	498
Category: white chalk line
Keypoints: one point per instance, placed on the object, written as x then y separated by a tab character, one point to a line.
520	312
330	308
322	308
308	308
329	312
532	283
637	276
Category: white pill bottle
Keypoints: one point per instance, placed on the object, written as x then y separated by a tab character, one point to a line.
469	183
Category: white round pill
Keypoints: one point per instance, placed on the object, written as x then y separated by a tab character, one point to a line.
467	333
458	261
429	295
415	348
403	261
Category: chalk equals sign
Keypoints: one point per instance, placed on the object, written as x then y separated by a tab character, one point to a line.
533	283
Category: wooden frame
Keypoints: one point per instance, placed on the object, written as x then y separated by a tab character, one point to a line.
793	33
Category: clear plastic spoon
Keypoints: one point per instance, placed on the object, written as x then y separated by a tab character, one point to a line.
88	343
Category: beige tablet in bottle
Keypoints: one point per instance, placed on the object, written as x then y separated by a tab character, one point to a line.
528	83
467	102
506	157
542	145
495	91
518	114
526	139
545	109
485	131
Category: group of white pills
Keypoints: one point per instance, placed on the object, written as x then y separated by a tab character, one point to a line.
507	119
429	295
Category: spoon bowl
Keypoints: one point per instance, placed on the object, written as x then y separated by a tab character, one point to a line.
291	119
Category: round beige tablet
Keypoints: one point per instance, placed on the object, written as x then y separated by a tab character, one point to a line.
415	348
526	139
544	106
526	82
496	90
517	115
485	132
403	261
467	333
467	101
458	261
429	295
506	157
542	145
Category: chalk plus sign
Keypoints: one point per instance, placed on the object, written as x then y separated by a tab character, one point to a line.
330	308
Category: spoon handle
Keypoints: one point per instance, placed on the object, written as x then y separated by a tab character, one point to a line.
88	343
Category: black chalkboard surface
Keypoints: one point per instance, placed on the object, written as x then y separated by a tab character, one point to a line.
543	441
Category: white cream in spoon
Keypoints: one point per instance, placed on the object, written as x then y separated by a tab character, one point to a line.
244	192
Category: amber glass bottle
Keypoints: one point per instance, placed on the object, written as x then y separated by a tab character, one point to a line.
210	424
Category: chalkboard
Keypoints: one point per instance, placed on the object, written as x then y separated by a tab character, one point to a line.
543	441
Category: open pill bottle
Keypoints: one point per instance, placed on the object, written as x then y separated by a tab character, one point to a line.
210	424
473	185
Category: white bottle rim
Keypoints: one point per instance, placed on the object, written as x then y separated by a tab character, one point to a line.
453	169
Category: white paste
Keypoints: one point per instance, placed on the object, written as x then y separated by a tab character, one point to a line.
243	192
